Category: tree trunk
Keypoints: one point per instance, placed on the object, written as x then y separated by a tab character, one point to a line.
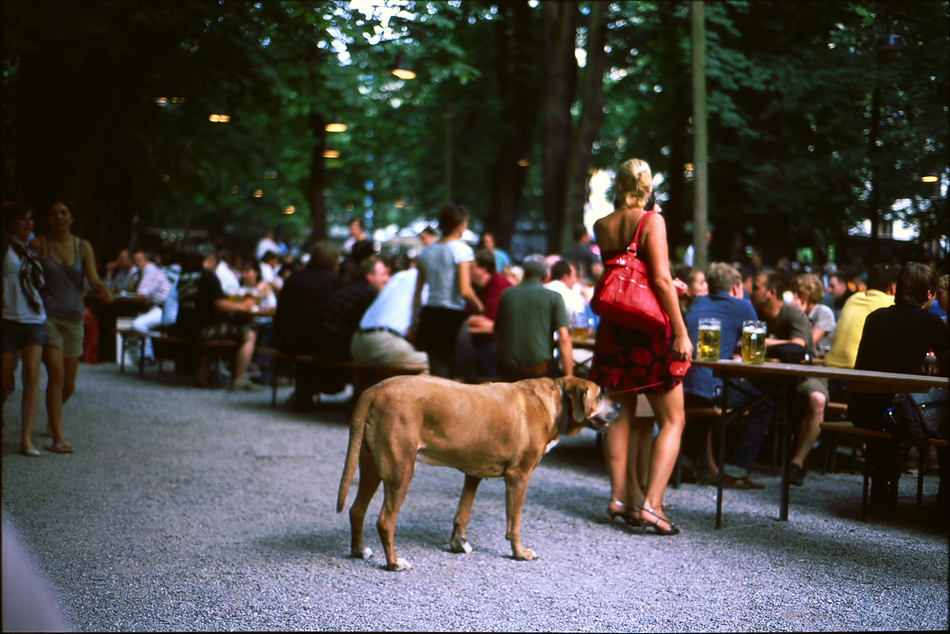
588	128
559	32
515	63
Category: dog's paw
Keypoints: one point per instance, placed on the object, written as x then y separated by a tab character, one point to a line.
526	555
366	553
460	546
400	565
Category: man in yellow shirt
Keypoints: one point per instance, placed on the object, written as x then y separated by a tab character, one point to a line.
882	281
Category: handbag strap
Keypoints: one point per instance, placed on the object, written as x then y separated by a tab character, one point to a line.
636	237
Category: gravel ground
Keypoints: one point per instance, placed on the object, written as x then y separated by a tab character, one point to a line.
189	509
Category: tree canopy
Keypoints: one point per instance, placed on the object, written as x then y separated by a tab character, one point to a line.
111	105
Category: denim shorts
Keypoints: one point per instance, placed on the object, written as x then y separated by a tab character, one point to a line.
17	335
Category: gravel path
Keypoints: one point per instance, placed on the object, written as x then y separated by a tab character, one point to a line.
189	509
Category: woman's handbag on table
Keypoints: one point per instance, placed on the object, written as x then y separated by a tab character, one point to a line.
624	296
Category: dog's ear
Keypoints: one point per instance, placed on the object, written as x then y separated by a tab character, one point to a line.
578	392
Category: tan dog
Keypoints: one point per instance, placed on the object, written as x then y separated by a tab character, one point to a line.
493	430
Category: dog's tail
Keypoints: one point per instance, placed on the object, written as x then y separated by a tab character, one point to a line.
357	423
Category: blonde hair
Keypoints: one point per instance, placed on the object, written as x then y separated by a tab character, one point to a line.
634	183
809	285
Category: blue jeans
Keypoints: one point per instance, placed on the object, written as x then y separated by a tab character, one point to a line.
751	431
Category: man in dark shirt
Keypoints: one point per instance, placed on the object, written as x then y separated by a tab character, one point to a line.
344	309
299	312
724	302
789	324
896	339
203	313
580	252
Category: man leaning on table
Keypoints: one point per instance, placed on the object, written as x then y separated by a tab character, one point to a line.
896	339
790	324
701	389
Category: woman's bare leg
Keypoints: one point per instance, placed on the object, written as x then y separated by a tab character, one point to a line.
70	369
617	441
671	416
31	392
53	360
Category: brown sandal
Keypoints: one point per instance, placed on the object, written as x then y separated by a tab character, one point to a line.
60	447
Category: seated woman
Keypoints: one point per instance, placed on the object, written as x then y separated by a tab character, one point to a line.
809	291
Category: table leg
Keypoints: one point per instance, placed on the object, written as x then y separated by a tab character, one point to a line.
787	437
720	480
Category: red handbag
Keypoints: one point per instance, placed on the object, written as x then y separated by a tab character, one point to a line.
624	296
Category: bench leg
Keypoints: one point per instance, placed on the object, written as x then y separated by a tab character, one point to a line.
141	342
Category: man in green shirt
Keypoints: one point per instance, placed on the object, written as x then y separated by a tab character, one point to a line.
528	317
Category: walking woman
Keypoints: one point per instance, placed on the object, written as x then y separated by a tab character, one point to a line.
66	260
24	317
446	266
628	362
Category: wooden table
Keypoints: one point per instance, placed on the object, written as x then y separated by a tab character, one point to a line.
771	378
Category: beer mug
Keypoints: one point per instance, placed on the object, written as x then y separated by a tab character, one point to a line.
753	342
708	340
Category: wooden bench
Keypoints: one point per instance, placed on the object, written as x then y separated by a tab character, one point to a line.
216	347
128	335
848	428
363	375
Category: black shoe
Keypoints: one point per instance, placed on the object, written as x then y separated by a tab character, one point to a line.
796	475
728	482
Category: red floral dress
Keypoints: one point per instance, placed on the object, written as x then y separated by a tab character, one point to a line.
627	360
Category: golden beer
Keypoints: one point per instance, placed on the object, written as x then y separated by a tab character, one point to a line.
753	342
580	332
707	348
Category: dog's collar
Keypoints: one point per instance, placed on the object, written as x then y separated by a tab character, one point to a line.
564	411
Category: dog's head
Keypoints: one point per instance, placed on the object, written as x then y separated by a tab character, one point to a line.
589	407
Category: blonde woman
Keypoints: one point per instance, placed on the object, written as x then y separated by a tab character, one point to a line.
628	362
66	260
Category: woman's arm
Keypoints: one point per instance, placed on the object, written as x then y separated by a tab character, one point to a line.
658	263
89	271
416	303
465	286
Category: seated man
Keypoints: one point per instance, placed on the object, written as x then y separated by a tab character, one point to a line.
155	286
580	252
121	273
299	309
565	277
344	309
789	324
896	339
203	313
381	337
488	285
528	317
700	389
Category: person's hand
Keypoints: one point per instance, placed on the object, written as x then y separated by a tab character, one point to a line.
680	286
105	296
682	348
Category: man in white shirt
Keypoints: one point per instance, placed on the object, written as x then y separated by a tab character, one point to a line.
381	337
565	276
563	280
155	287
230	283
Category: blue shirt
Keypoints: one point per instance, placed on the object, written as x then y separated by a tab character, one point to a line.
731	312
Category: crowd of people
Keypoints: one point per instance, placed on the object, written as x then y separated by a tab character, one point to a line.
469	313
